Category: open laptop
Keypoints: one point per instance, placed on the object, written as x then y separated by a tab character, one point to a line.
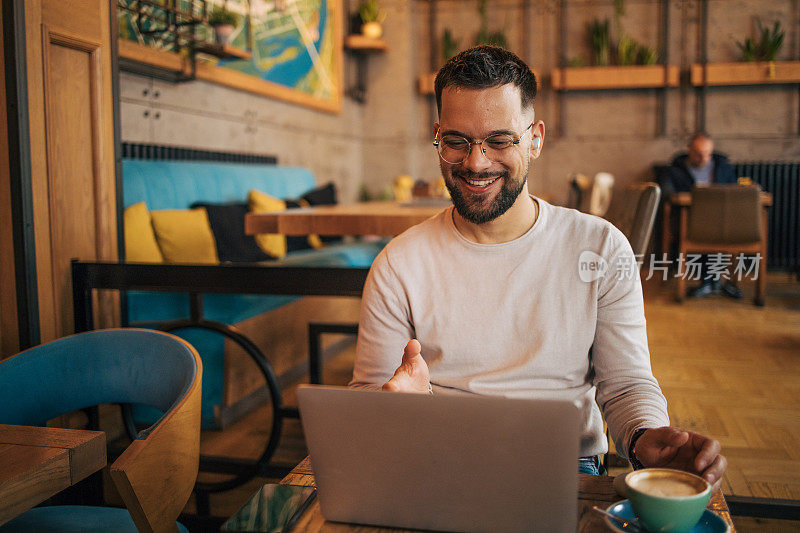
443	462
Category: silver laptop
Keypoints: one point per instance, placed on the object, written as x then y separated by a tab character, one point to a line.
442	462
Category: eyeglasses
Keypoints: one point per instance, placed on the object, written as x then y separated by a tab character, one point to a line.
454	148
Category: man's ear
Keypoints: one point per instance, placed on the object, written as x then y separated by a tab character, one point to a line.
537	139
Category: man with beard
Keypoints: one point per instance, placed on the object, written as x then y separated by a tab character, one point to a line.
507	295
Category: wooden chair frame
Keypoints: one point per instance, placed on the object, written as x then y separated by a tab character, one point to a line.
758	247
172	449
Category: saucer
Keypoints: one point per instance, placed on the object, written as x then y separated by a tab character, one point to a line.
709	522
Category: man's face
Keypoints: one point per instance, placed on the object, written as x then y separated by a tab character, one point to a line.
700	152
482	189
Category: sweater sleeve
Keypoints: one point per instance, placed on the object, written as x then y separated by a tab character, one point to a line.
384	327
627	392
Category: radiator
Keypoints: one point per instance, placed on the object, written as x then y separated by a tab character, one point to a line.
783	181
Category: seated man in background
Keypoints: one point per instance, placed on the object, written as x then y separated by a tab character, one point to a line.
494	293
698	167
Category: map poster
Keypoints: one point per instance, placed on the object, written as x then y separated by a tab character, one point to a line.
295	46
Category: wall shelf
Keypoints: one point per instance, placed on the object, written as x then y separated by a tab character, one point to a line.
361	47
658	77
704	74
745	73
615	77
360	44
222	51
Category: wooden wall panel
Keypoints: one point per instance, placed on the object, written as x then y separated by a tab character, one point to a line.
86	18
70	109
70	81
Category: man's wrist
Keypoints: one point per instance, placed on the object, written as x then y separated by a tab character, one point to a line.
635	462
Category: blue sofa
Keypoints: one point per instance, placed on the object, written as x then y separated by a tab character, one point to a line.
178	185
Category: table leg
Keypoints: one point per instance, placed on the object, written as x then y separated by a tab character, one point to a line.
315	330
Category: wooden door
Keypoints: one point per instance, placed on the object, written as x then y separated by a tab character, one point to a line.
72	150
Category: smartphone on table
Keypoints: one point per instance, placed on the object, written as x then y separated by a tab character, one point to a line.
274	508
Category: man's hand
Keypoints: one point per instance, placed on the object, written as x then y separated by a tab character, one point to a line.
671	447
412	375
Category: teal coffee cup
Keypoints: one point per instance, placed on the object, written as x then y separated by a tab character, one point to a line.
666	500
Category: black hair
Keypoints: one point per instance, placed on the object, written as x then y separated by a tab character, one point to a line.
483	67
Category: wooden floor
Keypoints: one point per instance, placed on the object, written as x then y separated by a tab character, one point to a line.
728	369
732	370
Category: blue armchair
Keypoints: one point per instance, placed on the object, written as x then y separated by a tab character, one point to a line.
156	472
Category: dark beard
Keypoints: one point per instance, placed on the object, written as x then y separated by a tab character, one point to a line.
479	210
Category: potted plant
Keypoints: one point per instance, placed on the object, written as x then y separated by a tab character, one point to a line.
224	22
759	63
371	18
768	45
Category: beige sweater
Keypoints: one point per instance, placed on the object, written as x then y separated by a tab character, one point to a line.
518	319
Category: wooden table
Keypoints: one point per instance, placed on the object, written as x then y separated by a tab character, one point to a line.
368	218
682	200
592	490
37	463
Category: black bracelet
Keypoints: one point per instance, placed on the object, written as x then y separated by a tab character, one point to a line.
635	462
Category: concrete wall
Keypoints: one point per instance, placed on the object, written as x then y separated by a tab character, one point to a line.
614	131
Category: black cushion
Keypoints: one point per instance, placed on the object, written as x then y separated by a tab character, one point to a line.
227	225
324	195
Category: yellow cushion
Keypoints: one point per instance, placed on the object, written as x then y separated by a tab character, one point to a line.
184	236
313	239
140	240
258	202
315	242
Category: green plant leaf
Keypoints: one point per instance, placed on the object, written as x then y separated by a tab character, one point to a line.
449	45
767	44
599	42
627	50
575	62
220	15
495	38
647	55
370	11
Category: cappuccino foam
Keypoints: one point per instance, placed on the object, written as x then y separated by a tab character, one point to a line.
665	486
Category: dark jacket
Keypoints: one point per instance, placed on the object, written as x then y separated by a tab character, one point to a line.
677	178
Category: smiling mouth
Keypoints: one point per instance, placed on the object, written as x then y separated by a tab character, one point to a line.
480	183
